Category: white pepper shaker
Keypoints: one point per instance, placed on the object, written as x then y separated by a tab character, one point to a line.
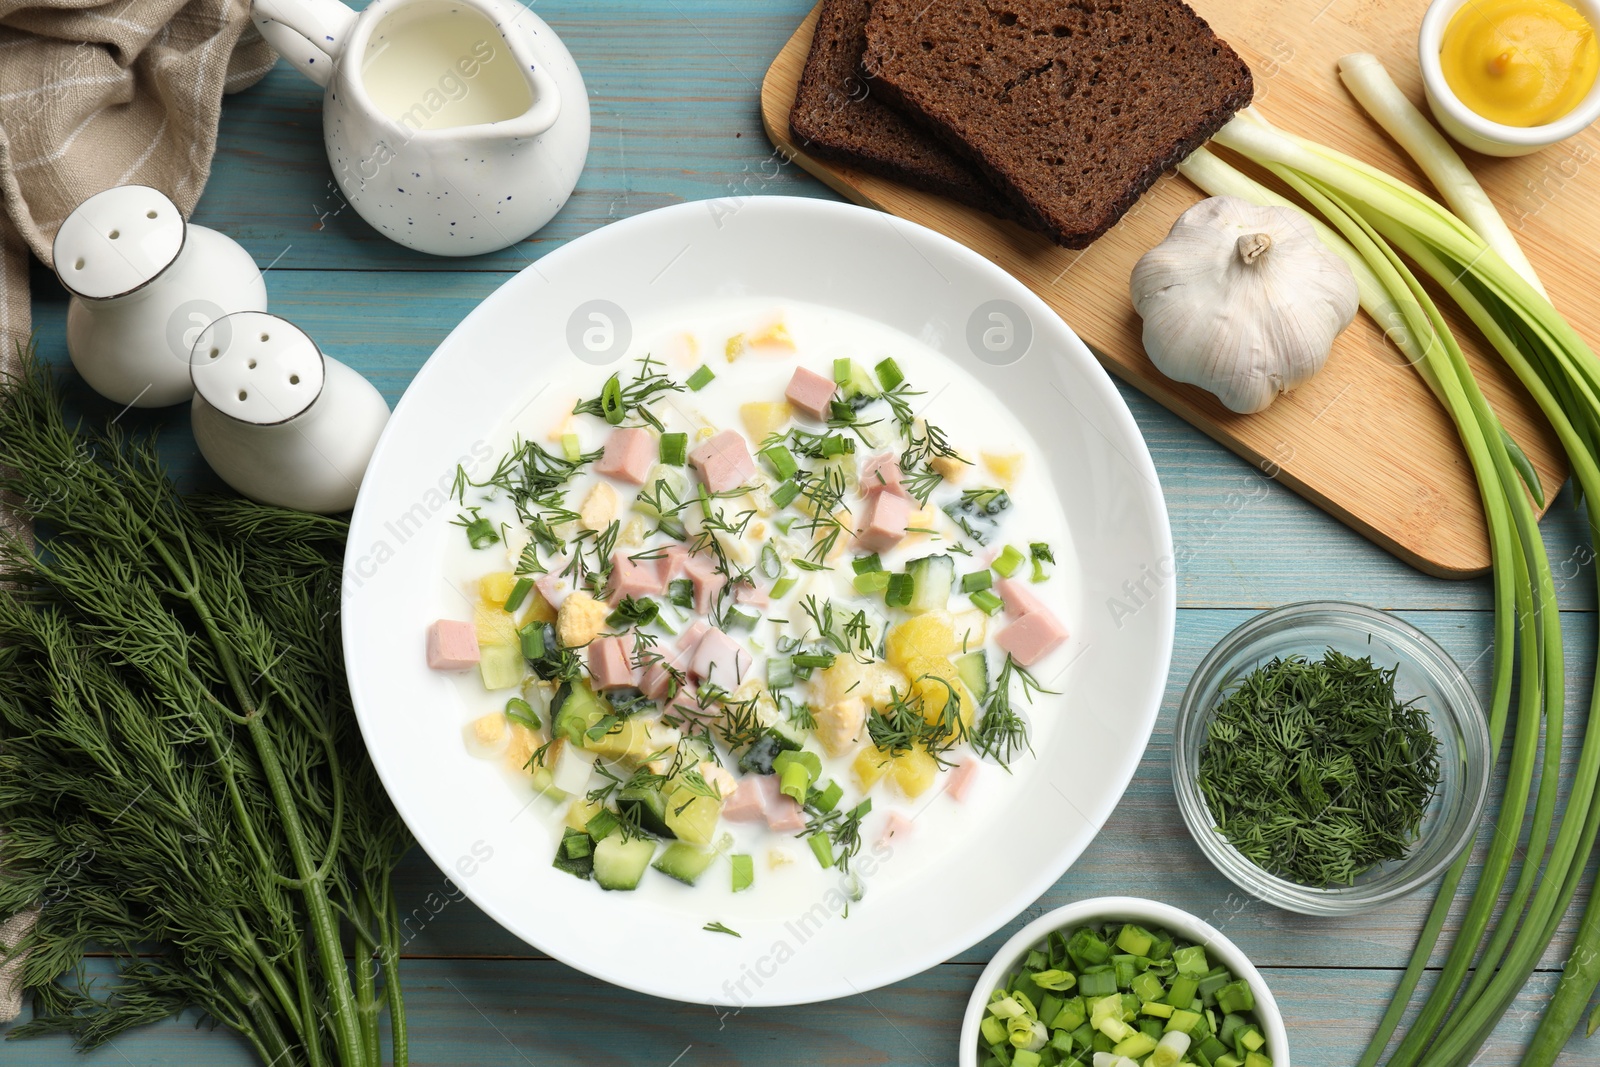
144	283
277	419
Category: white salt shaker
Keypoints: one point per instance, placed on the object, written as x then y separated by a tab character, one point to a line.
278	420
144	283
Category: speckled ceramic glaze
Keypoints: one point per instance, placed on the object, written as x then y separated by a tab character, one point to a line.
278	420
144	283
417	144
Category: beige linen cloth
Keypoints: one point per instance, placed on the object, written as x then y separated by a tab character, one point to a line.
94	95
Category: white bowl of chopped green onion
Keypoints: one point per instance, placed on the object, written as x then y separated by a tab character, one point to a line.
1330	758
1120	981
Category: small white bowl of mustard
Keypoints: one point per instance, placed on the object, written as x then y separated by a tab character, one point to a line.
1509	77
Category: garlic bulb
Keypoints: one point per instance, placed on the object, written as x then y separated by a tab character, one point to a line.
1242	300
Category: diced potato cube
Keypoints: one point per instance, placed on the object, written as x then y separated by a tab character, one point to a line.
914	772
763	418
581	812
930	634
777	335
539	609
779	857
735	347
951	468
934	679
632	533
598	508
869	766
494	626
1004	466
971	628
494	588
692	818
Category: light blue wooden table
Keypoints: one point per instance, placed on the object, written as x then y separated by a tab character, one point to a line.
673	87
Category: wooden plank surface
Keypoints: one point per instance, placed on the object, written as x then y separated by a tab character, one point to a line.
1365	439
673	86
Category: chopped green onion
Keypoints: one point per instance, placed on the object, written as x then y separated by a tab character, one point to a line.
519	710
822	848
793	781
1008	561
736	619
771	566
531	638
1040	553
829	798
701	378
744	871
780	672
841	370
972	583
897	594
674	449
781	587
680	591
611	406
824	660
780	460
481	533
872	582
889	374
519	593
784	495
570	447
836	444
864	564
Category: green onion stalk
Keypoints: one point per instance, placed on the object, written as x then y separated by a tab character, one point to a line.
182	783
1375	220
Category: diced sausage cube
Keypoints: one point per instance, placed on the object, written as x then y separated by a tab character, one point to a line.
632	579
883	522
670	563
1019	599
719	660
724	462
746	803
897	829
708	581
961	779
783	813
554	585
630	452
611	662
810	392
452	645
881	474
1032	637
754	595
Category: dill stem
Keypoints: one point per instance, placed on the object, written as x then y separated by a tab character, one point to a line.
302	977
263	1031
324	927
400	1036
366	1000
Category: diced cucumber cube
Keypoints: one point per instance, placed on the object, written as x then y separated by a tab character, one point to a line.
501	667
684	861
744	872
932	578
619	863
974	671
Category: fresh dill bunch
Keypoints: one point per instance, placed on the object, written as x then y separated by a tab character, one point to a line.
182	781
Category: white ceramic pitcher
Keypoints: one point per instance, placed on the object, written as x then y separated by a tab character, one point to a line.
453	126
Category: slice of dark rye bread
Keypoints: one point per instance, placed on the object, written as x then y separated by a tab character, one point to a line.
1073	109
836	117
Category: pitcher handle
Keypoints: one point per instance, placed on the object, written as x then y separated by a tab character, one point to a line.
310	34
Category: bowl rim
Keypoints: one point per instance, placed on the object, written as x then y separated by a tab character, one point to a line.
1430	36
1464	709
1138	909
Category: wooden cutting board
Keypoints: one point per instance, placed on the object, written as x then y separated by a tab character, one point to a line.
1365	440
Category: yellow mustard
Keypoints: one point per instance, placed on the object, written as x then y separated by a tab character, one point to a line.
1519	62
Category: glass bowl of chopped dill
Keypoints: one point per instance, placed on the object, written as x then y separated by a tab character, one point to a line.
1330	758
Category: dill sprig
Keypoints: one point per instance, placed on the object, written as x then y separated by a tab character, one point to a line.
1316	771
618	402
1002	731
181	778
